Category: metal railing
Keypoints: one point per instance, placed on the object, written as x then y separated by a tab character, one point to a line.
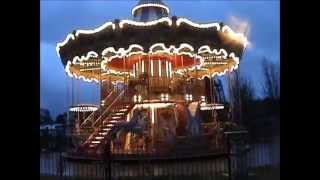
106	112
96	113
251	160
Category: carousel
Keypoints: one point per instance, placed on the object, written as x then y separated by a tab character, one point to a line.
156	75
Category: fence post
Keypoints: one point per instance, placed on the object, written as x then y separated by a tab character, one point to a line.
107	160
60	164
236	154
229	158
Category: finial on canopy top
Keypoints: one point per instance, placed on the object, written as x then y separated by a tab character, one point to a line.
149	10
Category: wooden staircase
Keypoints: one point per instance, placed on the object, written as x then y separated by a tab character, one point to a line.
100	137
114	114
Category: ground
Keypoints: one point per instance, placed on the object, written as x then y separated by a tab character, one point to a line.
265	173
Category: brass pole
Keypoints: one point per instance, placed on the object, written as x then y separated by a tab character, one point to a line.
211	96
239	94
230	95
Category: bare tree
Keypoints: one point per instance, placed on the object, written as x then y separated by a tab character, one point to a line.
271	79
45	117
243	94
242	87
247	92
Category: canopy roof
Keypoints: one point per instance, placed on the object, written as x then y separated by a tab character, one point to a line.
112	48
150	3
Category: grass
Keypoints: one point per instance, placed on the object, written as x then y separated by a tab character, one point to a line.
264	173
67	178
194	177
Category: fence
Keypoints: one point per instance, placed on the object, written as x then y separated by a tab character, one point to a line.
243	160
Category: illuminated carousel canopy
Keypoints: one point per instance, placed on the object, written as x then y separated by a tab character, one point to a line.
112	49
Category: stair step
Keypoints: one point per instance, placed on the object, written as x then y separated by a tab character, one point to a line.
115	117
99	137
103	133
95	142
93	145
106	129
123	110
110	125
111	122
119	113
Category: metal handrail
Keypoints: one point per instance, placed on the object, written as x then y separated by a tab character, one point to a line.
90	118
108	108
102	116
